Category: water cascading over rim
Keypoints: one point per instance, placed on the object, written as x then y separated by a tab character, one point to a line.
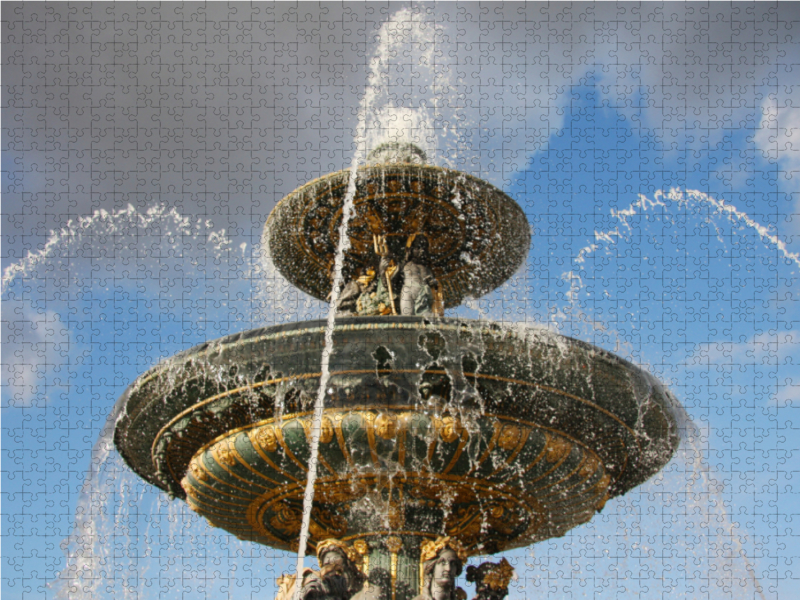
498	437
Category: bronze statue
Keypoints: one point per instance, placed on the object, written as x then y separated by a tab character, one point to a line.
417	293
354	290
338	577
370	293
376	298
412	275
441	561
374	291
491	579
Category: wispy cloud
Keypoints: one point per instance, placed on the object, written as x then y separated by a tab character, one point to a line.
36	347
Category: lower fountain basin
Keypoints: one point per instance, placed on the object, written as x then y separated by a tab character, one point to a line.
498	436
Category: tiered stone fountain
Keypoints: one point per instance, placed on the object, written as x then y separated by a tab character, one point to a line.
496	437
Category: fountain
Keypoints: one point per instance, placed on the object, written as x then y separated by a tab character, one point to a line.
437	434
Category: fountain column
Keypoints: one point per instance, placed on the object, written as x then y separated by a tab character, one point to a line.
392	561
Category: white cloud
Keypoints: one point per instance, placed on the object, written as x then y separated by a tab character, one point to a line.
35	354
778	137
788	394
774	351
763	346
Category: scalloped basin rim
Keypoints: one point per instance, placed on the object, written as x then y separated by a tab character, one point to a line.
575	389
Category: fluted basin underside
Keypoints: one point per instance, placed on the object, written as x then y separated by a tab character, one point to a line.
499	437
478	235
505	484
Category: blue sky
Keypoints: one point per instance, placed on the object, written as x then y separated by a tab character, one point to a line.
576	111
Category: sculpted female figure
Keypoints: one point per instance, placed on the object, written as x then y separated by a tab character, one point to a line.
442	561
338	577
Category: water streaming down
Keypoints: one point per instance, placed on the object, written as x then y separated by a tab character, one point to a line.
103	265
623	524
160	221
373	117
680	198
93	532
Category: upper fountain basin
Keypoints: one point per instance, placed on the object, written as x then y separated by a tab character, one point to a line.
478	236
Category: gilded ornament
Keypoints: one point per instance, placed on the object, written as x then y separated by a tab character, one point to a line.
361	549
187	487
348	551
394	544
468	524
500	576
325	433
286	520
224	453
480	514
325	524
509	437
450	429
557	448
197	471
265	438
386	426
432	548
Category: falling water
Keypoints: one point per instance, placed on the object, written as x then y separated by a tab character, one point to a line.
680	198
109	491
319	404
372	116
104	224
97	262
664	206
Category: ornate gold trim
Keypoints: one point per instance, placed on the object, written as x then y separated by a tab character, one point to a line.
393	544
362	549
388	371
499	576
196	460
528	499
